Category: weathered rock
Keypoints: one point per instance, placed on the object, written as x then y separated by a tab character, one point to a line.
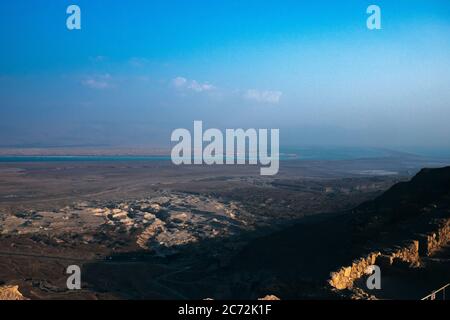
11	293
269	297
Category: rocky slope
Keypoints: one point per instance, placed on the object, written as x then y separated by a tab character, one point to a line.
407	222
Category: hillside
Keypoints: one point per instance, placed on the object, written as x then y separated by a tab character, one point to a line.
296	262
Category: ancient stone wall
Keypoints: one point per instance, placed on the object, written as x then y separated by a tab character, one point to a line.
344	277
432	242
408	253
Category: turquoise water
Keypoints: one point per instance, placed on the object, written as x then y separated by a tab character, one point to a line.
297	153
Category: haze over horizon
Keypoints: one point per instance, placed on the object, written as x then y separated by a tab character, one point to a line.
130	77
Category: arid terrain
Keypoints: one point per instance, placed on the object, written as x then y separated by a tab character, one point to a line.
151	230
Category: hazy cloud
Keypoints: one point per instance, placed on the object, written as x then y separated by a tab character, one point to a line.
179	82
183	83
263	96
98	81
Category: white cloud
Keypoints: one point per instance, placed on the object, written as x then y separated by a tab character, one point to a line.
263	96
98	81
179	82
199	87
183	83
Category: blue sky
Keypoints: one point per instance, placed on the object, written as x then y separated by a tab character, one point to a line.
139	69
